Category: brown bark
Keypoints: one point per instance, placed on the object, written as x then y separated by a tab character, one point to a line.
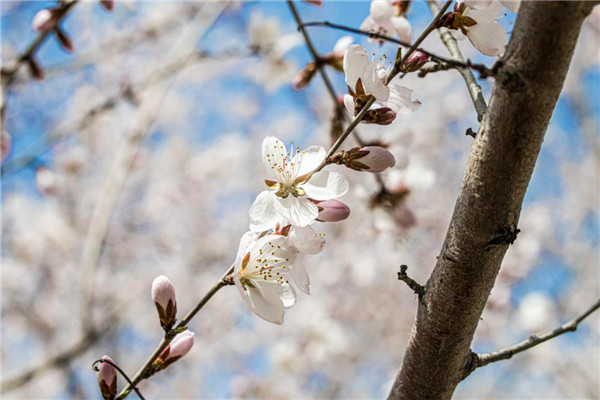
487	210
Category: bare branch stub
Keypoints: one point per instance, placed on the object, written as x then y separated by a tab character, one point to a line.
416	287
481	360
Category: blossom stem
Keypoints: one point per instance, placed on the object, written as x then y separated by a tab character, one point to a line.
338	107
169	336
347	132
430	28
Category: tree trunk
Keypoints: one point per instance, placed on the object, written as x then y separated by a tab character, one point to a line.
487	209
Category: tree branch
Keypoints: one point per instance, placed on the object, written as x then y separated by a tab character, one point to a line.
481	360
472	85
497	174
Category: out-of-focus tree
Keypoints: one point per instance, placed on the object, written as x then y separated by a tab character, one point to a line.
131	149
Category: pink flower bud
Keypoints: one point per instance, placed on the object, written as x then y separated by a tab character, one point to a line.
163	295
317	3
369	158
182	344
178	348
332	211
305	76
107	379
44	20
108	5
415	62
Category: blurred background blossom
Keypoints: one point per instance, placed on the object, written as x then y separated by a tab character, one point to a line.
158	116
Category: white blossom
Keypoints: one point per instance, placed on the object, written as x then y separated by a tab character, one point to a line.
293	186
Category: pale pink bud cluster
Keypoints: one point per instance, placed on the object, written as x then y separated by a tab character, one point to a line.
107	379
415	62
332	211
178	348
163	295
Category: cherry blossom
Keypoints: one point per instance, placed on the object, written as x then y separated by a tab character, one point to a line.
479	25
512	5
384	19
295	184
265	275
368	78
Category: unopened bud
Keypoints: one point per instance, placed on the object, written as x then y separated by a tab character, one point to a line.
178	348
107	379
332	211
369	158
108	5
65	41
163	295
305	75
380	116
44	20
415	62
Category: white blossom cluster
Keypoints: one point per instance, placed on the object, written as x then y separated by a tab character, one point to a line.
186	198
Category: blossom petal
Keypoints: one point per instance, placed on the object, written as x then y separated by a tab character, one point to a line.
288	295
245	242
300	277
485	15
325	185
306	240
400	99
477	4
374	82
263	215
356	61
402	28
490	39
381	11
264	301
274	155
342	44
308	160
298	210
349	104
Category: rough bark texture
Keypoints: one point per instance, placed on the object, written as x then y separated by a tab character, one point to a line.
487	210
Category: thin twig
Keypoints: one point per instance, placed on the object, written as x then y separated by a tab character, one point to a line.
430	28
417	288
472	85
169	336
86	341
481	68
9	72
480	360
330	89
123	374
